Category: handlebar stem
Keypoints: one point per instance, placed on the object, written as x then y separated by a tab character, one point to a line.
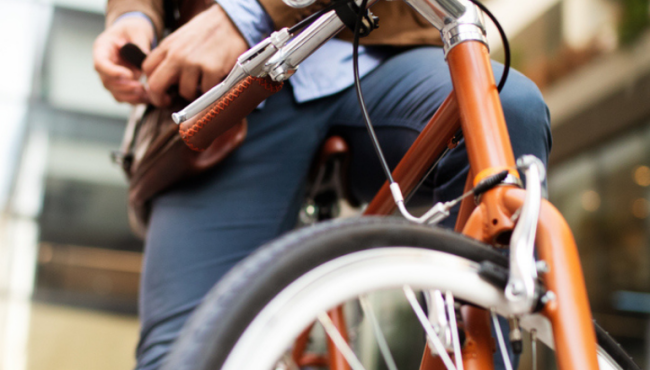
457	20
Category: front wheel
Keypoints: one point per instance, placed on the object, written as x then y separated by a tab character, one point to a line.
251	319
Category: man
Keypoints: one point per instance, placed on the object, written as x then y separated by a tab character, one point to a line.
202	227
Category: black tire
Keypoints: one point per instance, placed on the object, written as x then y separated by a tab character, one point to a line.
233	303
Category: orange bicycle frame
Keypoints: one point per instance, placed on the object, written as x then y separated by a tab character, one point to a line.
474	106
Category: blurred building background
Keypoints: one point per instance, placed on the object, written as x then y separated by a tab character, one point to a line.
69	266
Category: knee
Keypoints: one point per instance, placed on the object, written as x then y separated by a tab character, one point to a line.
527	117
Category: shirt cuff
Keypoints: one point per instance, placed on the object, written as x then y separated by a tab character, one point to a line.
249	17
140	15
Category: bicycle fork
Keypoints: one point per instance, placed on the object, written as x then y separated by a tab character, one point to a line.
489	151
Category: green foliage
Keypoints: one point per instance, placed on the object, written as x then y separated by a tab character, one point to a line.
634	19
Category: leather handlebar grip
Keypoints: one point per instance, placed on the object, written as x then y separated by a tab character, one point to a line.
199	132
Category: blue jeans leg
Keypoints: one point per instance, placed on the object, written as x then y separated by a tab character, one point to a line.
203	227
403	94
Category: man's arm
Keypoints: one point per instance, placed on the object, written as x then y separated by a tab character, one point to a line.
119	78
134	21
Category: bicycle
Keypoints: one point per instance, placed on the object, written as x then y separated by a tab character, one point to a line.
261	315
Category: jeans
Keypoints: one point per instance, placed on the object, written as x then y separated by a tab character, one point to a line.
204	226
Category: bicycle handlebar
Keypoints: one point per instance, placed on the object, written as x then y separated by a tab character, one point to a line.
227	111
258	74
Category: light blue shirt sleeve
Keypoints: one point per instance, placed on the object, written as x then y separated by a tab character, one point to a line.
141	15
250	18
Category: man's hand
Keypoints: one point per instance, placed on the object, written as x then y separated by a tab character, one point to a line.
119	78
198	55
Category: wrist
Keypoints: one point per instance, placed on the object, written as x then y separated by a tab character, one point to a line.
136	23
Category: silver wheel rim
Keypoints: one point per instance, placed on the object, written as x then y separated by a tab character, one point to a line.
273	330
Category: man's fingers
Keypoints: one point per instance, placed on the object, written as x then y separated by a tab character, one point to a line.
119	77
109	69
142	41
124	86
131	98
159	82
188	82
211	78
153	60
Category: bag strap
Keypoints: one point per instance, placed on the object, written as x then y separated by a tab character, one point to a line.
172	15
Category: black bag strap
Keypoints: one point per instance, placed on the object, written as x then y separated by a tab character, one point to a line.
172	15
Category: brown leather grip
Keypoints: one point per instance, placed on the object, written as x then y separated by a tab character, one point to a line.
199	132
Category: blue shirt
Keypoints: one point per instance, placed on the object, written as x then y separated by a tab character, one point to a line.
327	71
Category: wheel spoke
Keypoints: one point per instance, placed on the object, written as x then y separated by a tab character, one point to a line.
451	311
533	343
502	343
339	342
379	335
428	328
286	363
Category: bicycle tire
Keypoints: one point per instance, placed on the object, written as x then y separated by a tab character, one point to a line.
211	333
